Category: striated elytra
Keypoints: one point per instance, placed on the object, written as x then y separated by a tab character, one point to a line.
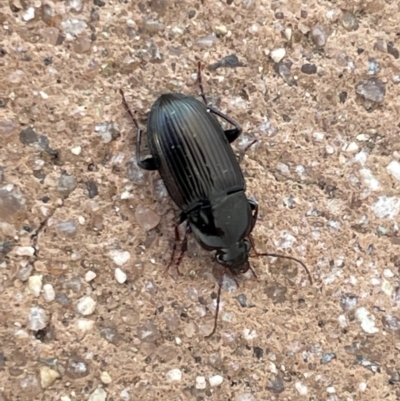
202	175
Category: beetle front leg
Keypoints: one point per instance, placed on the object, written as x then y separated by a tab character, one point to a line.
146	164
231	134
254	209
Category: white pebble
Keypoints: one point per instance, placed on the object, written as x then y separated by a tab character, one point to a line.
98	395
35	284
215	380
362	386
81	220
319	136
43	95
119	257
29	14
351	147
200	382
25	251
388	273
86	305
386	207
84	325
249	334
105	378
367	321
362	137
90	275
361	157
393	169
37	318
331	390
369	179
174	375
301	388
330	150
278	54
125	395
120	275
48	293
76	150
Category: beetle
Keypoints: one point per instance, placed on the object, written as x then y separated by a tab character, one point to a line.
202	175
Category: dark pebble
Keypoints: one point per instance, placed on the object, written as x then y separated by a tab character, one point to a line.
230	61
92	189
327	357
309	68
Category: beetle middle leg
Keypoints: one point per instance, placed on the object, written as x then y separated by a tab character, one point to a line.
146	164
231	134
183	246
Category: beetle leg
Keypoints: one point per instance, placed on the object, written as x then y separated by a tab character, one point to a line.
146	164
231	134
183	248
201	83
254	208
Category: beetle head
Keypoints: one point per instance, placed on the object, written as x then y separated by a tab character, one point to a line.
236	257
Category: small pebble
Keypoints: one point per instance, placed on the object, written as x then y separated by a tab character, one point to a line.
301	388
206	41
372	89
35	284
125	395
76	150
367	320
386	207
146	217
86	306
388	273
119	257
120	275
215	380
84	325
105	378
309	69
48	293
38	318
48	376
25	251
90	275
201	382
319	35
98	395
352	147
29	14
174	375
278	54
393	169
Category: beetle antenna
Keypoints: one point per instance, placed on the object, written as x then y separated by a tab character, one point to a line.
125	103
276	255
200	82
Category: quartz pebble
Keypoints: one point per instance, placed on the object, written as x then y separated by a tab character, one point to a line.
48	376
301	388
48	293
215	380
119	257
146	218
30	385
105	378
393	169
120	275
86	306
319	35
25	251
76	150
174	375
35	284
372	89
367	321
98	395
200	382
278	54
90	275
38	318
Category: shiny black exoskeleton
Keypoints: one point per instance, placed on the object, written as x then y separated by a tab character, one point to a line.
202	175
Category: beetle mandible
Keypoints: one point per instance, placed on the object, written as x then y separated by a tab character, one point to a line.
202	175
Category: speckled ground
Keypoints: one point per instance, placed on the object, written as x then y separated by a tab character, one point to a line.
86	309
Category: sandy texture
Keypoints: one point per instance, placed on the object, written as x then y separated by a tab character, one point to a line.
90	314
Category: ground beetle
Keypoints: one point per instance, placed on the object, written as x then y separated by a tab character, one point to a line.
202	175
